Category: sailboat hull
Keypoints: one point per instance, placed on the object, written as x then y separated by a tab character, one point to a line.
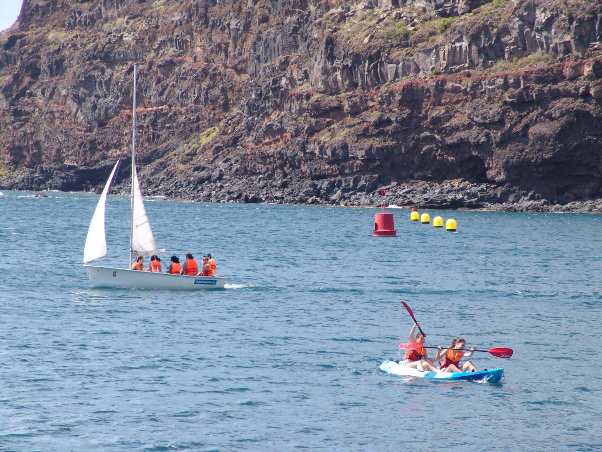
130	279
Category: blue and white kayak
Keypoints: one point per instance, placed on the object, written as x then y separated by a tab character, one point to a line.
484	376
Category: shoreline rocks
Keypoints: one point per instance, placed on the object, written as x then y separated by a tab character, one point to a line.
355	191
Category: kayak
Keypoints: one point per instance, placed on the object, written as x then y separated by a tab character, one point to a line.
484	376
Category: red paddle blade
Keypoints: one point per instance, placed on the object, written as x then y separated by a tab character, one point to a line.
501	352
405	305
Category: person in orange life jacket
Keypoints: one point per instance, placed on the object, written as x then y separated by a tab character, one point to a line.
174	267
450	357
416	355
212	265
204	266
138	264
155	264
191	268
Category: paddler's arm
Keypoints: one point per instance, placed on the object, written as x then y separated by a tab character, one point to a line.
412	334
468	353
440	353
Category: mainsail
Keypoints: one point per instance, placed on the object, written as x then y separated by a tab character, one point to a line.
143	242
96	243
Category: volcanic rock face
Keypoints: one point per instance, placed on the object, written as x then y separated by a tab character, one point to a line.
450	103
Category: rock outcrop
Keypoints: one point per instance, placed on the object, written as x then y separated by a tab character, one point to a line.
449	103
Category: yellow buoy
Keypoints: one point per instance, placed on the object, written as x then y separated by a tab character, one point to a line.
438	222
414	215
425	218
451	225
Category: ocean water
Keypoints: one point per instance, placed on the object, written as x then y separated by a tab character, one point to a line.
287	356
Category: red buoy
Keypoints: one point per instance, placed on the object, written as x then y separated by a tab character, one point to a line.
384	225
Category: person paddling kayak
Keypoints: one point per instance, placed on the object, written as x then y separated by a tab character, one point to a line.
450	357
416	356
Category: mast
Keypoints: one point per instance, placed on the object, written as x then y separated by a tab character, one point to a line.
133	166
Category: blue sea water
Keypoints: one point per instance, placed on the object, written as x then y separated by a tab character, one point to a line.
287	356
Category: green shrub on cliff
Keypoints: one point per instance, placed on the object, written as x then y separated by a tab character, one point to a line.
497	3
431	29
437	26
398	31
495	13
534	59
58	36
208	135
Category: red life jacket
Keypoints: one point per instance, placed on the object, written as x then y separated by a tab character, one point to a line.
138	266
174	268
154	266
415	352
192	268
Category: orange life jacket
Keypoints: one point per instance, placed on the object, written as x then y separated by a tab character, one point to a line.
137	266
155	266
452	357
174	268
415	352
212	267
192	268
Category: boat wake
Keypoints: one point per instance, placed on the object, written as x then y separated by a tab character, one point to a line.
237	286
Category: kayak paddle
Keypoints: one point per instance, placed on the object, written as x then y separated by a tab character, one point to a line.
405	305
499	352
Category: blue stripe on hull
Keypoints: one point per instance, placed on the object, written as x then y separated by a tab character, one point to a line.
206	282
491	376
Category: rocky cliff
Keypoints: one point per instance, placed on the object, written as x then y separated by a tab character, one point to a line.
449	103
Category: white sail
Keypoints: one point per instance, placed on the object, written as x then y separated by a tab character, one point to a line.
143	242
96	243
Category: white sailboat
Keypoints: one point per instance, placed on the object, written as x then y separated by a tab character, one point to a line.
142	242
